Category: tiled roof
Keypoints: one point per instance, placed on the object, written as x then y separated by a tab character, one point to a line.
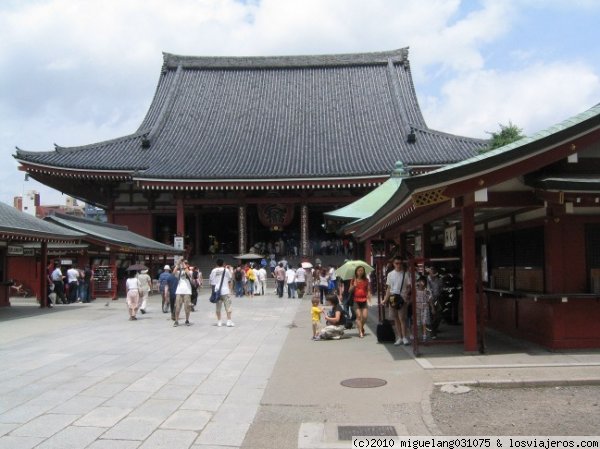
22	225
112	234
495	159
283	117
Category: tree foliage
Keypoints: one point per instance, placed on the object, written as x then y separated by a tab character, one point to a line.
507	134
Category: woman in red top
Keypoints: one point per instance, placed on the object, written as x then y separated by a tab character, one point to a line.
359	287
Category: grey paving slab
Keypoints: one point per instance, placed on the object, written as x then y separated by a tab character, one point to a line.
72	437
6	428
194	420
23	413
103	417
173	439
44	426
78	405
207	402
223	434
132	428
10	442
128	399
114	444
156	409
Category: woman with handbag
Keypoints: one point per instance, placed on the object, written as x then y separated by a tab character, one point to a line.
360	292
397	293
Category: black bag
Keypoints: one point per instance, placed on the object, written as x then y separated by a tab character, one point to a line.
385	332
396	301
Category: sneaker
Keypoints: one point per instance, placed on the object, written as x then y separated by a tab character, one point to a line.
398	341
143	311
405	341
176	323
187	323
219	324
230	323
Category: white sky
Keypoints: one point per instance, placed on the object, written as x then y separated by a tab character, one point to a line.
76	72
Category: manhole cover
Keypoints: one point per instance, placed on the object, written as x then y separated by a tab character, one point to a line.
364	382
345	433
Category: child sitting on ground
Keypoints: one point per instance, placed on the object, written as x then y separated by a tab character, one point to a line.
315	312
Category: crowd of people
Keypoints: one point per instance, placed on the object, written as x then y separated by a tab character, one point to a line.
348	299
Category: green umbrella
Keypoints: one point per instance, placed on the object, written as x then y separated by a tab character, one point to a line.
347	270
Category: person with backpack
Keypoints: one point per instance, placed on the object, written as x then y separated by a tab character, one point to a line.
238	281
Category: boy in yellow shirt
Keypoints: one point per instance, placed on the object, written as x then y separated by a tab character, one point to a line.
315	312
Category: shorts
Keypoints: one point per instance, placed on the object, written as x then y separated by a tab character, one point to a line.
184	300
224	300
361	304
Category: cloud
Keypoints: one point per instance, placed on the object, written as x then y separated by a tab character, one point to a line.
532	98
80	72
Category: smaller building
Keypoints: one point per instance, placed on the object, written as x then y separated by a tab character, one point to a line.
522	223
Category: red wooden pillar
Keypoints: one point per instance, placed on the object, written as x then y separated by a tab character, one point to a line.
469	271
180	217
43	284
369	252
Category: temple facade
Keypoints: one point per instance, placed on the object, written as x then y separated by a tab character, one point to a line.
239	150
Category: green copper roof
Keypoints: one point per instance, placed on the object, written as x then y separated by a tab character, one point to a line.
372	201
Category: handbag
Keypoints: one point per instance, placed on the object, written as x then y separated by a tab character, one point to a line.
216	294
397	301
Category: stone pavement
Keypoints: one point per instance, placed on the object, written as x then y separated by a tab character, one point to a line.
83	376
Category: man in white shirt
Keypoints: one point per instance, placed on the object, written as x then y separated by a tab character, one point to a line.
220	277
183	293
262	281
59	283
73	281
301	281
397	295
290	279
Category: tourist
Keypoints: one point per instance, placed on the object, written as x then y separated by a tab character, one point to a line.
85	284
163	278
250	280
397	295
361	294
73	281
301	281
279	275
238	281
323	283
335	320
183	293
435	284
262	280
197	282
172	282
290	280
133	295
59	283
315	313
145	286
221	276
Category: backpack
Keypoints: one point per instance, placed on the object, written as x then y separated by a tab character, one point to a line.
238	275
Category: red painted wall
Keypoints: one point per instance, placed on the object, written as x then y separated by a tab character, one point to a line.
140	223
548	322
24	270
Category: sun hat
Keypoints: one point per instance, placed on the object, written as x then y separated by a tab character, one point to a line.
167	268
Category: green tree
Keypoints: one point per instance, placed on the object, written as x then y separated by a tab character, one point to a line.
507	134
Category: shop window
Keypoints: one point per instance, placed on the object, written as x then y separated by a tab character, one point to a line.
592	244
517	260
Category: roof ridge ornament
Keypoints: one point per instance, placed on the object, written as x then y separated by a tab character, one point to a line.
399	170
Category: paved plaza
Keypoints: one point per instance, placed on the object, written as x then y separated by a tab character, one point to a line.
83	376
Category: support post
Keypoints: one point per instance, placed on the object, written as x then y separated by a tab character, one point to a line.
242	244
304	237
469	272
43	285
180	217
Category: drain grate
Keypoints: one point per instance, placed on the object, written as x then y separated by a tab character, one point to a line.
345	433
363	382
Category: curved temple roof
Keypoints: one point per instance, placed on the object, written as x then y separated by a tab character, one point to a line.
286	117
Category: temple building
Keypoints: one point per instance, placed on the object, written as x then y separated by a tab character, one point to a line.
245	149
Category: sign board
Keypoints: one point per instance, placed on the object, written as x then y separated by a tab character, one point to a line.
14	250
450	240
177	244
29	251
